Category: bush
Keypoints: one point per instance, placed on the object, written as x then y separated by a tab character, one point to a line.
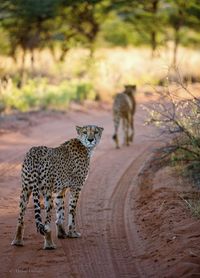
38	94
179	118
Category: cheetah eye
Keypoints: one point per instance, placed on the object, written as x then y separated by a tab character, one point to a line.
84	132
96	132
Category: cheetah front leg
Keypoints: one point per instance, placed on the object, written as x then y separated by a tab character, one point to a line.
59	203
73	199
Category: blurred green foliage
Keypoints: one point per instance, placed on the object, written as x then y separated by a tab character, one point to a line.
27	27
35	24
38	94
115	32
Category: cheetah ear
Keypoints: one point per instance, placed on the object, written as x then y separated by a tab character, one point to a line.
132	87
101	128
78	129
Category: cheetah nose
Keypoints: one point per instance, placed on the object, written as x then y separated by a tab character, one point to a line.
90	140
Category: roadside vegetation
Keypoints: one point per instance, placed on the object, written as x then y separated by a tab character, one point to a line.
177	115
53	85
59	51
37	94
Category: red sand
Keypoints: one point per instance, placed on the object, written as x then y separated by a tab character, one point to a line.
131	227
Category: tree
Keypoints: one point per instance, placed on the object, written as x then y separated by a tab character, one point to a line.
33	24
79	23
146	17
176	19
182	14
24	22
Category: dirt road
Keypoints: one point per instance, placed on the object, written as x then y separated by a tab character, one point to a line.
110	245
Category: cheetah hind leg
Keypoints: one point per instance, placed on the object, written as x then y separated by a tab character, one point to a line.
48	243
116	127
18	240
24	198
115	138
132	130
73	199
126	132
131	138
59	203
60	231
61	234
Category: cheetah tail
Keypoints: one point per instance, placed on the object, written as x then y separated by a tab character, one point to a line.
38	219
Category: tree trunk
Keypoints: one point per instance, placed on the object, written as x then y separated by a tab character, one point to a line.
92	50
64	50
22	70
153	43
32	61
154	11
176	44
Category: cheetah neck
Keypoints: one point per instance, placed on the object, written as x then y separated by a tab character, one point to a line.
90	151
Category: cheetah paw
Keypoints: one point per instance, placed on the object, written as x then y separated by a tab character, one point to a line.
62	235
61	232
49	246
73	234
17	242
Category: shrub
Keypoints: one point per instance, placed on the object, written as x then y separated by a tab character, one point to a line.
38	94
179	118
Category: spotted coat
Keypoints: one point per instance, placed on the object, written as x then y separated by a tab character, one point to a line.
124	105
46	171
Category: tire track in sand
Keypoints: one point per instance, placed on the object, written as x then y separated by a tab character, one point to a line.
105	249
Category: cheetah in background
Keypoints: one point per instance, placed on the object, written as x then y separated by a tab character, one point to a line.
53	170
124	106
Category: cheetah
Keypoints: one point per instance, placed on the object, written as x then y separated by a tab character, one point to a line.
124	106
47	171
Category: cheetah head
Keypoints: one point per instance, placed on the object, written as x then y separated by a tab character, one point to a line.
89	135
130	90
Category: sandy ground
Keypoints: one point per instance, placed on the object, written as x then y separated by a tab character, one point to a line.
132	219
